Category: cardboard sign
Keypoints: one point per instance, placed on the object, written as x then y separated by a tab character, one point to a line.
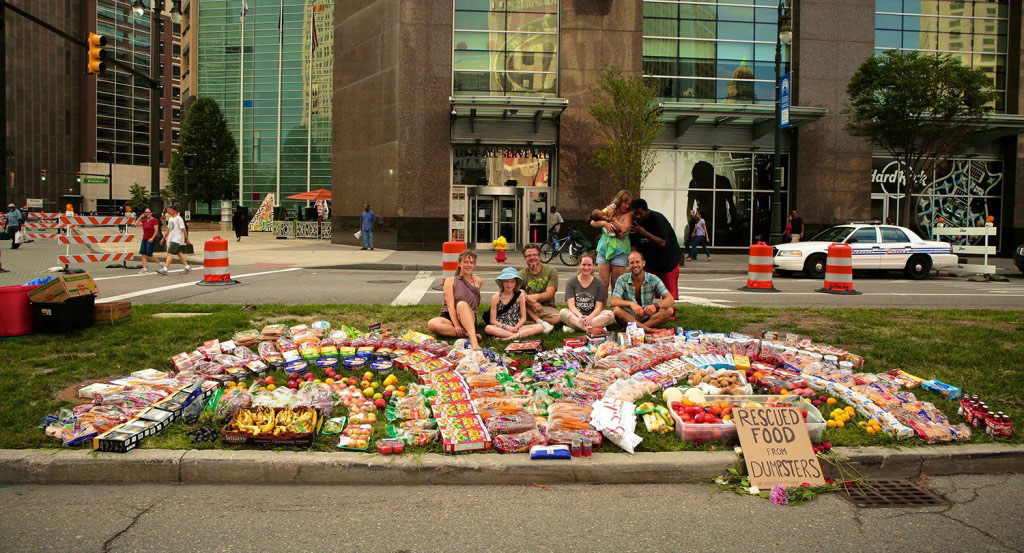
776	447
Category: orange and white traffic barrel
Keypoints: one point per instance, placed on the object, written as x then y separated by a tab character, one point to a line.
839	270
450	257
759	269
215	263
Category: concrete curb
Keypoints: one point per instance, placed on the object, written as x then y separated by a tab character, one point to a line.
34	466
491	268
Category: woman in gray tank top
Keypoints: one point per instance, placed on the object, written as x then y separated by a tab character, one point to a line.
461	300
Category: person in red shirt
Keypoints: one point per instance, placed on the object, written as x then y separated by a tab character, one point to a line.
150	225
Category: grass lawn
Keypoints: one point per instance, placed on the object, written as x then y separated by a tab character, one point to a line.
975	350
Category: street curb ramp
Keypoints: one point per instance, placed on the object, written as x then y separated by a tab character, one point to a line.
45	466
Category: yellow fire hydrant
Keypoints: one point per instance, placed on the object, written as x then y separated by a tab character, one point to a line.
500	245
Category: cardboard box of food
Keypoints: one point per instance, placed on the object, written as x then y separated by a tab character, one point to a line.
63	288
113	311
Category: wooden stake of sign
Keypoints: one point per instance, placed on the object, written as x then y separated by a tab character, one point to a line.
777	447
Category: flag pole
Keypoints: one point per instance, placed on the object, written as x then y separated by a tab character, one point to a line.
280	53
241	107
309	109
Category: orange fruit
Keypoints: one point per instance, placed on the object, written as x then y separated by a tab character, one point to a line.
872	430
840	424
830	423
831	401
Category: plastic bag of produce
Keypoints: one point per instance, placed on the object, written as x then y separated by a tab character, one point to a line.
230	402
520	442
568	436
617	421
273	332
318	396
511	424
569	416
495	406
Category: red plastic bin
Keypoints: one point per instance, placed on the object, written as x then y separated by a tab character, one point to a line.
16	309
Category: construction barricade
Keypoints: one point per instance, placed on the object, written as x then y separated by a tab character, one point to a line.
73	222
450	257
839	270
759	269
216	271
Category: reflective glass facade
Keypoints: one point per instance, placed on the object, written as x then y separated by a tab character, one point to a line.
122	103
732	190
975	32
281	110
505	48
709	51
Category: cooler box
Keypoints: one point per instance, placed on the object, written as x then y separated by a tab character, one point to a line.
17	310
64	317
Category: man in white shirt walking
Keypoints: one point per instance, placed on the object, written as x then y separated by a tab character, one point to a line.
176	238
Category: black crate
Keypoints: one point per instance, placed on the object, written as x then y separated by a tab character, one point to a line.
64	317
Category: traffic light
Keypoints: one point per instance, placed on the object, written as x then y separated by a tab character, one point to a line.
97	53
78	177
42	175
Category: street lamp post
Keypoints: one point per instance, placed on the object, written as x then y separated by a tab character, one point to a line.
156	203
785	37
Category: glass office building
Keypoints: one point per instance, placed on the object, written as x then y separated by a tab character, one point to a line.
962	191
719	53
706	52
504	73
271	73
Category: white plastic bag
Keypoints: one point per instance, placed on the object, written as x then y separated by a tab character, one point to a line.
358	234
617	421
18	238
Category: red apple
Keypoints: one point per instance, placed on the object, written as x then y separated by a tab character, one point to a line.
699	418
380	403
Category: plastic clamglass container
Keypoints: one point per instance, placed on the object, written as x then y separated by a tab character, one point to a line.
726	432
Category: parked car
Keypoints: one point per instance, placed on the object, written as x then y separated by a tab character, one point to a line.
1018	257
875	247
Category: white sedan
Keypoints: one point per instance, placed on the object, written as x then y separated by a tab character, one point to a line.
875	247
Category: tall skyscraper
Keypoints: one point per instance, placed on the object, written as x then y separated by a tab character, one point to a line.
269	67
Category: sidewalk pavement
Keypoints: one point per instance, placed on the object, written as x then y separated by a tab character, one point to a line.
51	466
261	249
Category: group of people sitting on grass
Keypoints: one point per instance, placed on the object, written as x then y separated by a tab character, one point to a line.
525	302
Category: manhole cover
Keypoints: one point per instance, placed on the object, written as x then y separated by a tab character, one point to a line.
385	281
891	493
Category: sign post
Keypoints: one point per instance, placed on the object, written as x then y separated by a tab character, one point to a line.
776	447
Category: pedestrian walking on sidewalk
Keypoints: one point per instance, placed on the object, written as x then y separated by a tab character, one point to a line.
150	225
177	238
797	227
699	237
366	220
240	223
14	220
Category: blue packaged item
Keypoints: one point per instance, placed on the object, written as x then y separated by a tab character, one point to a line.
355	363
327	362
550	452
948	390
296	367
382	365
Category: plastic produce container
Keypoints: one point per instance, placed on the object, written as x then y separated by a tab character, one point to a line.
17	311
726	432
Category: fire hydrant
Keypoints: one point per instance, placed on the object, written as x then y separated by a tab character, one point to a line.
500	245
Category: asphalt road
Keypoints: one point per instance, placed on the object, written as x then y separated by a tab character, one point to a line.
300	285
984	515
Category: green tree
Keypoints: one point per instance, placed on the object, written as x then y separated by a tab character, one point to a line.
920	109
625	110
205	138
140	197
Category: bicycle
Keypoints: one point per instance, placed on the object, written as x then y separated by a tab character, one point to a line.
568	248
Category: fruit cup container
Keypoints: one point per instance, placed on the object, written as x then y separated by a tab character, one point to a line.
726	432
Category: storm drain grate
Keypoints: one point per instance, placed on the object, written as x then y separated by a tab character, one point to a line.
891	493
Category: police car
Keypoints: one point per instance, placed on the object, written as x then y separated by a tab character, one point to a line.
875	247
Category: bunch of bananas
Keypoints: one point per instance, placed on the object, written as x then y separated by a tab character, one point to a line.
262	421
656	417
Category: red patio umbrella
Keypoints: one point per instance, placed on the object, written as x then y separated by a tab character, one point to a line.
313	195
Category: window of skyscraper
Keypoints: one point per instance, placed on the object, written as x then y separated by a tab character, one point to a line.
973	31
702	51
505	48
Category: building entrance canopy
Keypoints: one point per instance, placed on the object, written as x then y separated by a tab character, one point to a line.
759	118
505	119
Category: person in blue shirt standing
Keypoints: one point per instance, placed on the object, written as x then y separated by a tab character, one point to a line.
14	220
366	220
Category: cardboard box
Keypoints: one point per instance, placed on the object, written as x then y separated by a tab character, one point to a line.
63	288
113	311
